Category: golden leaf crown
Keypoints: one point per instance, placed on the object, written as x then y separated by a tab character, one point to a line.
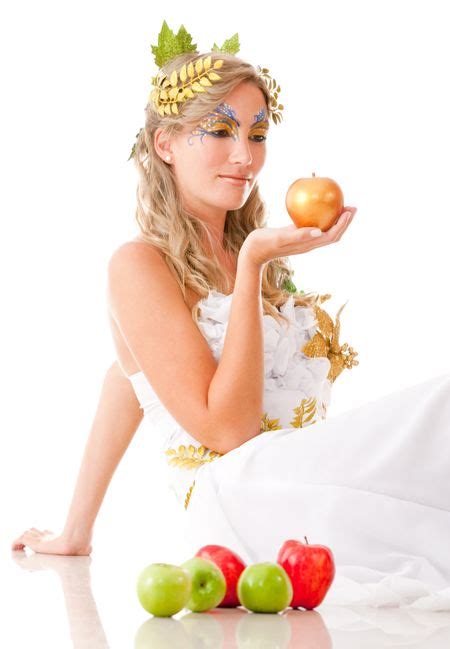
196	76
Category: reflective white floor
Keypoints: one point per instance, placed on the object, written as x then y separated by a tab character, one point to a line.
91	602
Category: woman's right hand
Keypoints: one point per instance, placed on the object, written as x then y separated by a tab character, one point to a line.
46	542
264	244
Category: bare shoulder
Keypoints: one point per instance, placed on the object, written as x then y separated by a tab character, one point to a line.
135	264
146	258
134	261
136	248
155	334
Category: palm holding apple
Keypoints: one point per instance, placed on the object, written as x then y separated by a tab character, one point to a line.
264	244
315	205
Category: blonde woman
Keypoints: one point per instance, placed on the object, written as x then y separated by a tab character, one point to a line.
213	345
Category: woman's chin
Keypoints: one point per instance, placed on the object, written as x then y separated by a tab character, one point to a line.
232	203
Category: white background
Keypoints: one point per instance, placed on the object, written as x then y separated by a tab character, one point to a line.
365	92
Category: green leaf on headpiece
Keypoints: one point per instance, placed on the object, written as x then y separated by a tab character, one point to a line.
171	45
230	46
289	285
133	150
185	40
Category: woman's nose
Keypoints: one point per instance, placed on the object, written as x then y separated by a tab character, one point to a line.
241	152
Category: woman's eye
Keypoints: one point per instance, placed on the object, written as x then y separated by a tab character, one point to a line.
262	137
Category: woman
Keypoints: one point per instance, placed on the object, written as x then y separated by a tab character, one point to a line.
232	369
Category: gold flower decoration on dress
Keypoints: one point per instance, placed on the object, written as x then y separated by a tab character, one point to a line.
325	342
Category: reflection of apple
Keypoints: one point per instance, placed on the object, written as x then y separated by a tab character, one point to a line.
230	564
314	202
265	588
163	589
155	632
308	629
311	570
208	584
270	632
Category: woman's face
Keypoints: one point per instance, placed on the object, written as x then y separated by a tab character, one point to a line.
228	141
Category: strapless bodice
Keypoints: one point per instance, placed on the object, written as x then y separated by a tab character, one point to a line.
297	390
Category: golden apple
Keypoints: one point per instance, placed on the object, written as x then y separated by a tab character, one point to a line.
314	202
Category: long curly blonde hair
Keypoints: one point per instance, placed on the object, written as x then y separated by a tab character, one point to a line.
164	221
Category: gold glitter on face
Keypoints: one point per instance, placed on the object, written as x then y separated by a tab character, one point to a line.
222	122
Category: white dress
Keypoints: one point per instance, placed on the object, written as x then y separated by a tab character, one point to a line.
372	484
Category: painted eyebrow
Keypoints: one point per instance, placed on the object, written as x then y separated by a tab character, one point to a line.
227	110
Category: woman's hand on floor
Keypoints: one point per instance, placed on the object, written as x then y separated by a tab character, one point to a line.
46	542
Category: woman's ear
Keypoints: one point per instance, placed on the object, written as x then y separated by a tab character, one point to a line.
162	145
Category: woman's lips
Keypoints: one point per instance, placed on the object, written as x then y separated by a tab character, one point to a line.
239	182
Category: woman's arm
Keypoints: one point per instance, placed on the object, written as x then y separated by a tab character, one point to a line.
116	420
235	394
219	404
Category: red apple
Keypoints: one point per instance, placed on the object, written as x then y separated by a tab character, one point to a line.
311	570
231	565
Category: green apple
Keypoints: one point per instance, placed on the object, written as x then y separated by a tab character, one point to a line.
163	589
208	584
264	588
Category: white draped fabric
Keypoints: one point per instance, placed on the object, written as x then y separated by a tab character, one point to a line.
372	484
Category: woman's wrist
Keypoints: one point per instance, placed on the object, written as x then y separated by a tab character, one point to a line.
77	534
246	256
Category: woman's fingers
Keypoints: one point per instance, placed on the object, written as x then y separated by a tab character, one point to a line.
352	211
32	540
30	537
18	544
334	233
344	221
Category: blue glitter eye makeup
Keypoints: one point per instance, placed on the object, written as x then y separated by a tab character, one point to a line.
261	125
222	118
261	116
223	122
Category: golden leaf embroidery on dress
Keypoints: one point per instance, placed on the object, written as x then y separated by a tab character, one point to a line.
188	495
304	413
190	457
269	424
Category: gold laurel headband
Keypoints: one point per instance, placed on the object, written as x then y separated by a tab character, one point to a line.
195	76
